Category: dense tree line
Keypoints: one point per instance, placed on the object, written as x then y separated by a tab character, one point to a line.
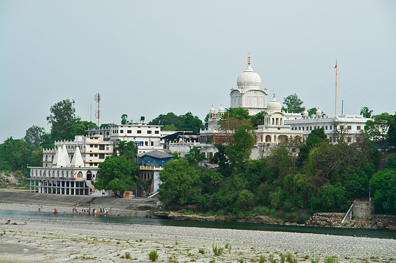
172	122
324	177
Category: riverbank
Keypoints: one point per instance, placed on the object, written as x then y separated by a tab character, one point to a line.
136	207
42	240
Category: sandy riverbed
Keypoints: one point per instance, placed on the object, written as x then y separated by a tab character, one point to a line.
61	241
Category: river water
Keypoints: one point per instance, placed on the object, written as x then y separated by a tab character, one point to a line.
228	225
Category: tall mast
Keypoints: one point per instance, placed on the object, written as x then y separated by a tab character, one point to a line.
335	101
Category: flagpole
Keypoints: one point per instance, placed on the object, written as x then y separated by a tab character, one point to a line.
335	101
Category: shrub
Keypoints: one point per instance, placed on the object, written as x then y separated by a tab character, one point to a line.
153	256
217	250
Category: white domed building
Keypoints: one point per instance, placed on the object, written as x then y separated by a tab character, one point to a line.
249	94
273	131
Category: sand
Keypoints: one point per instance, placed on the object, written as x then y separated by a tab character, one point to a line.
42	241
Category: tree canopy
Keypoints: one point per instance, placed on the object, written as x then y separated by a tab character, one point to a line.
378	128
117	174
366	112
180	183
293	103
64	123
172	122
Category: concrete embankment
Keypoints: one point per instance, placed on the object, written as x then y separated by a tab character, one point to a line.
194	217
334	220
136	207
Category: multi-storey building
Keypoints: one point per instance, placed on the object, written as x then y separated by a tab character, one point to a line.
67	170
349	126
146	137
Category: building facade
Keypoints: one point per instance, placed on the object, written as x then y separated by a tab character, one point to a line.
146	137
249	94
67	170
150	164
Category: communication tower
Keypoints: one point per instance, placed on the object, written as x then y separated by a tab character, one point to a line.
97	113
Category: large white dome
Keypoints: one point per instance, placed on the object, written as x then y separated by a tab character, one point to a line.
249	78
274	105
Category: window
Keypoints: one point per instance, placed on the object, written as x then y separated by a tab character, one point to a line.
101	156
121	131
358	128
331	127
139	131
96	155
349	127
91	155
152	143
101	147
156	132
326	128
96	146
349	139
148	132
129	131
107	148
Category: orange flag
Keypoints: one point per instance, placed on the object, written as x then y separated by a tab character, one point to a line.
335	66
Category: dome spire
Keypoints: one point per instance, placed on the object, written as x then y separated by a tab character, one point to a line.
249	57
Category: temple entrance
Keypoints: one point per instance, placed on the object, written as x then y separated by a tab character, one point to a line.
89	175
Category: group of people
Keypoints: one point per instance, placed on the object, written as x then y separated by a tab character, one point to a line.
88	211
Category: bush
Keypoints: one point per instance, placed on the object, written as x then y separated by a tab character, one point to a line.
153	256
217	250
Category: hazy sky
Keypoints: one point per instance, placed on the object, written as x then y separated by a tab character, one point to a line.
147	58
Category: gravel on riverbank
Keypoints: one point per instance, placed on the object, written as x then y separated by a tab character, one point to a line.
42	240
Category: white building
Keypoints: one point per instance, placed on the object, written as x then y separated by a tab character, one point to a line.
347	125
249	94
274	131
71	166
146	137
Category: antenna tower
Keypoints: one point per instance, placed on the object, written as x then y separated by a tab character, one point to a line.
97	113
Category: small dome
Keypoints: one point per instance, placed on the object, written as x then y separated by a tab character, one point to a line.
249	78
318	113
305	114
221	109
274	105
212	110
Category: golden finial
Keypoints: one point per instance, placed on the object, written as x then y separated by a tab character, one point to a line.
249	59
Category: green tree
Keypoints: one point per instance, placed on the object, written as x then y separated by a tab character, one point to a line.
124	118
17	154
117	174
239	150
246	200
257	119
392	132
169	127
62	115
191	123
378	128
33	135
384	185
194	156
293	103
181	183
126	149
220	158
168	119
366	112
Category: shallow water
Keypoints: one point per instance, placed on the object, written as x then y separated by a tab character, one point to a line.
228	225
